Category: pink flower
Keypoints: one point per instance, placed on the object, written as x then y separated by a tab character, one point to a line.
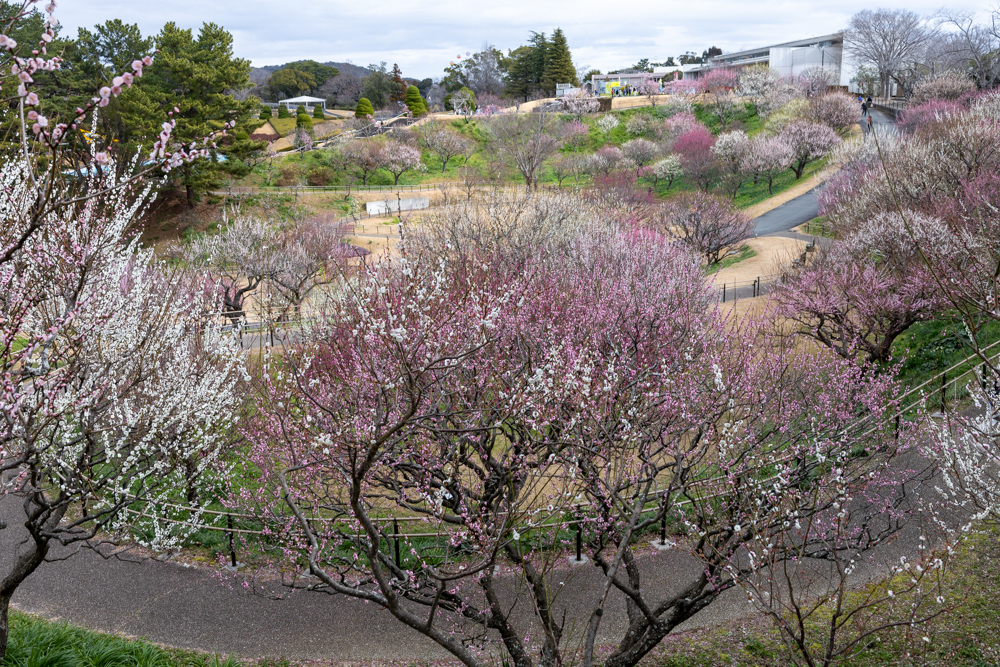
147	61
43	121
117	81
116	90
31	100
105	92
36	128
24	76
46	37
127	78
6	42
137	65
51	7
22	90
104	102
32	115
100	158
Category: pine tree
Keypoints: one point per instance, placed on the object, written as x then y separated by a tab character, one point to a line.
559	66
364	108
414	102
318	112
194	74
283	111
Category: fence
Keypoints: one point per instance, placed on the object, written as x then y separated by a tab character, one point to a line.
713	487
745	289
893	105
277	189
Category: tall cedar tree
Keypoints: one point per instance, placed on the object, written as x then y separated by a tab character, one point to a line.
559	64
378	85
194	76
398	93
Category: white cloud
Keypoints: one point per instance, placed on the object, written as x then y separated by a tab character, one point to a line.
424	37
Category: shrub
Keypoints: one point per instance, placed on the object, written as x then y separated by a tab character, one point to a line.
283	112
300	110
946	86
266	111
319	176
289	176
364	108
414	102
921	115
318	113
303	122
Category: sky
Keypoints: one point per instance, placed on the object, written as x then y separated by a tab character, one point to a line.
424	37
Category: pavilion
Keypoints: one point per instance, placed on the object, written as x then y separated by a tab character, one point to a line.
304	100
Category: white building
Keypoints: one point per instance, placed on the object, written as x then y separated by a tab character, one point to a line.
791	58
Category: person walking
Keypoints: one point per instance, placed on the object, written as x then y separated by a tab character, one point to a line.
864	109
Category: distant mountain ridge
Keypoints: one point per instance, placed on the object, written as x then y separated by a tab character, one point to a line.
343	68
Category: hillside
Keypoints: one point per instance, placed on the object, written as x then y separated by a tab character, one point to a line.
344	68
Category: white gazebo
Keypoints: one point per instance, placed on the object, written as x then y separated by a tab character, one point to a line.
305	100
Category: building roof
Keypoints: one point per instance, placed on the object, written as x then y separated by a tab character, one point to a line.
305	99
784	45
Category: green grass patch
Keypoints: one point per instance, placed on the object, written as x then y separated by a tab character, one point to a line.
964	637
283	126
35	642
928	348
818	226
745	252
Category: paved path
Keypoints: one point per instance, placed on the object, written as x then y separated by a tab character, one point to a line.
804	208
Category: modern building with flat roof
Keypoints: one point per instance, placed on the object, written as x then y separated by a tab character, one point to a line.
788	59
791	58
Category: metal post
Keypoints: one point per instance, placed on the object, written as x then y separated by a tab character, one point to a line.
395	534
579	539
944	390
232	541
723	292
663	529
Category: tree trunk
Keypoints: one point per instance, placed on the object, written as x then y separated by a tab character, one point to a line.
4	625
190	196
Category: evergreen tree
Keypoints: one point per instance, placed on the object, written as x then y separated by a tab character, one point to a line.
300	110
378	86
283	112
538	61
399	88
559	64
304	122
414	102
364	108
195	75
318	112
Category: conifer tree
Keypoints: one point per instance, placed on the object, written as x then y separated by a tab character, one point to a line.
195	74
364	108
559	64
318	112
414	102
399	90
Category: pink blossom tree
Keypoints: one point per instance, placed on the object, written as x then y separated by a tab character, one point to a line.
708	224
835	110
858	296
766	157
809	142
399	157
695	150
487	395
731	150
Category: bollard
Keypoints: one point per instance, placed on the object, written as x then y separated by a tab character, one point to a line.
723	292
663	529
579	541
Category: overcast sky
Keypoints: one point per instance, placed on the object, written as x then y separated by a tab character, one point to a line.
423	37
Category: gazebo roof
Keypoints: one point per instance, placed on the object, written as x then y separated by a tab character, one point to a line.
305	99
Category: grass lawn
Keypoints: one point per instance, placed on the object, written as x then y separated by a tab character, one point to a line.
745	252
927	348
38	643
964	637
